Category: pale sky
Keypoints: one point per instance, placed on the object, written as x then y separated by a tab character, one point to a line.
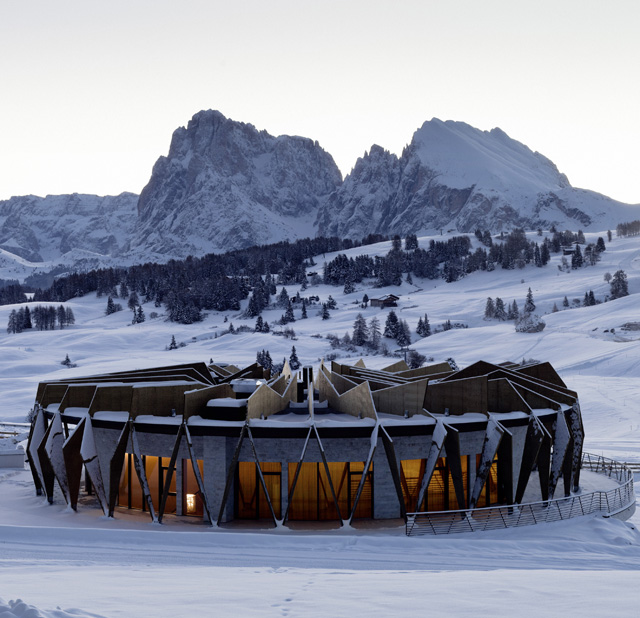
91	91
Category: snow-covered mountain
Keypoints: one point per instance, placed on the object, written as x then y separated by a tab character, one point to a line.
453	176
43	229
225	185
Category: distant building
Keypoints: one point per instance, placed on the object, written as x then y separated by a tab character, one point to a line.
388	300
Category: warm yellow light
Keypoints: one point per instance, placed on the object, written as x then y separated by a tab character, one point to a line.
191	504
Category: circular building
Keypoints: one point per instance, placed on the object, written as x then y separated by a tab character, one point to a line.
339	443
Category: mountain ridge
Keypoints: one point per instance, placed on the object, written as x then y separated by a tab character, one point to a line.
226	185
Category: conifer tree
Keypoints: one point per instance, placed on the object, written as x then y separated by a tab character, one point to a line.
259	324
294	362
565	303
529	305
303	316
500	314
360	331
325	312
619	285
489	309
173	345
391	325
374	333
111	306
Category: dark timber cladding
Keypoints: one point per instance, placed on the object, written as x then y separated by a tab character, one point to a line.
221	442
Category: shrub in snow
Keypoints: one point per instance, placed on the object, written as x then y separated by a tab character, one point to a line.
530	323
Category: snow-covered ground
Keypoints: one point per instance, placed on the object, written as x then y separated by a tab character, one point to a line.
51	557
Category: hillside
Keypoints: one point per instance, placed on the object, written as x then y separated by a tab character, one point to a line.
604	367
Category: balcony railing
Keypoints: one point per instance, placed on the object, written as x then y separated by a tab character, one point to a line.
498	517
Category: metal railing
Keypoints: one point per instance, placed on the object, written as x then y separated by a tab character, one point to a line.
512	516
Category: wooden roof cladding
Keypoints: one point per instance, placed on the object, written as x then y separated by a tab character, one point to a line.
480	388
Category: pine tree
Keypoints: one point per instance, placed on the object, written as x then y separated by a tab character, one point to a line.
325	312
403	338
500	314
420	328
67	361
12	325
514	312
427	326
266	328
365	301
391	325
26	322
592	298
173	345
360	331
331	303
140	317
565	303
600	246
303	315
294	362
576	258
259	324
111	306
619	285
288	314
283	299
555	308
489	309
529	305
374	333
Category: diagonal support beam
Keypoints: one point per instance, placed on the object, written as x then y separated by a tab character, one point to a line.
536	433
116	466
171	470
73	462
53	450
452	447
561	440
392	460
91	463
577	433
435	450
48	476
365	472
261	476
492	439
296	475
326	469
230	473
138	464
196	472
36	433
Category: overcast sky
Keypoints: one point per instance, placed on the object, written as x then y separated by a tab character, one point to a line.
92	91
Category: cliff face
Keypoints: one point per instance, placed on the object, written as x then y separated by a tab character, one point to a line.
453	176
225	185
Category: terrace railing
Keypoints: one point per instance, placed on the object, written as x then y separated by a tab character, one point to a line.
512	516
